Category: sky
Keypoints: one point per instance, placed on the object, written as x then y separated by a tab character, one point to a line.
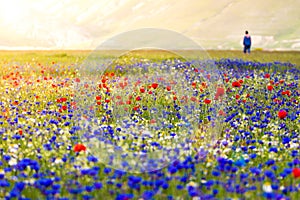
86	24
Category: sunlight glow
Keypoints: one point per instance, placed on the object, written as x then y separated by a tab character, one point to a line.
84	24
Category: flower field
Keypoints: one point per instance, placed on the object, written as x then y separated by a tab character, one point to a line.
163	129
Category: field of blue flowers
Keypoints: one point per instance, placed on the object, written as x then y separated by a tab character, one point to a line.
255	154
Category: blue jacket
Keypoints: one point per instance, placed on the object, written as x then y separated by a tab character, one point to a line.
247	40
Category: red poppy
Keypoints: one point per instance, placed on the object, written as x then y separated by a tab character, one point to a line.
168	88
241	81
237	96
282	114
270	87
63	99
296	172
64	107
142	90
287	92
222	113
220	91
207	101
136	108
73	103
193	99
103	80
276	101
281	81
236	84
154	85
98	98
138	98
267	75
20	132
152	121
79	147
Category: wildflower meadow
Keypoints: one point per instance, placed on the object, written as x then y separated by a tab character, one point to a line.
148	128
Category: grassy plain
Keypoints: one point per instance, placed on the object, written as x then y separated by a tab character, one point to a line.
78	56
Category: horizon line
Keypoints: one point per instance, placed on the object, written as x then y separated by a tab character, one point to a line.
209	49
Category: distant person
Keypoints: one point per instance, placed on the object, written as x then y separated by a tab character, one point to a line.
247	42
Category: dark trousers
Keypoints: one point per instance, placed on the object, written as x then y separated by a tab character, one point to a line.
247	48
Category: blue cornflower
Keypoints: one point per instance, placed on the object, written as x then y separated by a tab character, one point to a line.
252	156
216	173
75	190
179	187
269	174
107	170
87	197
273	149
270	162
285	140
20	185
44	182
240	163
98	185
6	157
148	194
4	183
91	158
89	188
124	196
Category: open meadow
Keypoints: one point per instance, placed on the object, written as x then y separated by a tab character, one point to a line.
149	125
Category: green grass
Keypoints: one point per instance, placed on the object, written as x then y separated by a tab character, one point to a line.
69	57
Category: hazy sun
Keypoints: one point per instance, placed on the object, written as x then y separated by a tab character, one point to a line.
12	11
